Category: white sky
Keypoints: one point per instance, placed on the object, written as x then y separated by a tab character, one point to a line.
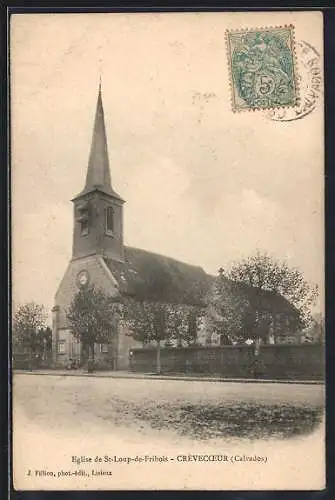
201	184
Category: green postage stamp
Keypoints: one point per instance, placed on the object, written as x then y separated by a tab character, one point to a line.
262	68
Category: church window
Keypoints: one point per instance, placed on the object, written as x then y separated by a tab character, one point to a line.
110	220
84	227
83	217
61	347
104	348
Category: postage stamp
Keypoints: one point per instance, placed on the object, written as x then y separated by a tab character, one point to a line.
262	68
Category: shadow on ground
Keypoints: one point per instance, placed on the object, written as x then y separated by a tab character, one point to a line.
240	420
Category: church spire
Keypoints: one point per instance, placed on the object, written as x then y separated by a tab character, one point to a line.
98	173
98	209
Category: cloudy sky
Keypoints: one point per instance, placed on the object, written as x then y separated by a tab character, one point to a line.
201	184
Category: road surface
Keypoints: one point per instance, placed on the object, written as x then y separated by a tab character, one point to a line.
58	418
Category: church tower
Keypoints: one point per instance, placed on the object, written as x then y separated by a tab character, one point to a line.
97	249
98	209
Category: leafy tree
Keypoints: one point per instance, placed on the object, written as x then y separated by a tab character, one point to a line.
181	324
227	309
92	317
44	341
192	326
264	273
29	320
148	322
176	327
315	332
319	325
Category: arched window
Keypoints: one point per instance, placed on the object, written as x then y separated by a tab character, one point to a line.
82	218
110	220
84	227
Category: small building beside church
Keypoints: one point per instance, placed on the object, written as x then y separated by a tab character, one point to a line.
100	257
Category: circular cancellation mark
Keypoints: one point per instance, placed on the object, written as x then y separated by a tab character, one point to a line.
310	85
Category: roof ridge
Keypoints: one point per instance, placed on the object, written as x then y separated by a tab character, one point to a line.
171	259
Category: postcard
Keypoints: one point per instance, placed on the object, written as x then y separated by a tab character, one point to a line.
168	251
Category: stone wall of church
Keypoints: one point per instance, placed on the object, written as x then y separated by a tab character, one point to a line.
126	343
64	346
98	273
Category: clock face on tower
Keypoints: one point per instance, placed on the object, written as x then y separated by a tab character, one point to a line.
83	278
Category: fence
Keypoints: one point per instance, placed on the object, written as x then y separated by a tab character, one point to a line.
26	361
297	362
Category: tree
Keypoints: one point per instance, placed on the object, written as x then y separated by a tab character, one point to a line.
192	326
29	319
92	317
264	273
44	342
226	311
315	331
319	325
176	327
181	324
148	322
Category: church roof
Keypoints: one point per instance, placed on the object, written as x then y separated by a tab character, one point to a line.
261	299
268	300
149	276
98	172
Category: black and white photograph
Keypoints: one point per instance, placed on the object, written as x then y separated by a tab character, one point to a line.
167	199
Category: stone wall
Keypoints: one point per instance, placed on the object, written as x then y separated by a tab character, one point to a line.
99	274
273	362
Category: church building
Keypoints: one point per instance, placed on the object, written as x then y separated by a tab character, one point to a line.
100	257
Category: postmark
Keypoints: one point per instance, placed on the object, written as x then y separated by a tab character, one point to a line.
310	85
262	68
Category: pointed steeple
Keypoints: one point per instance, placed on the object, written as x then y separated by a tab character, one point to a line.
98	172
98	209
